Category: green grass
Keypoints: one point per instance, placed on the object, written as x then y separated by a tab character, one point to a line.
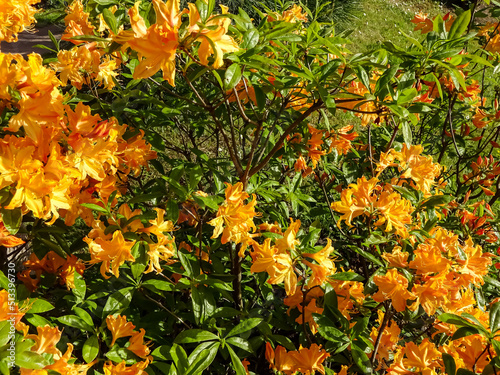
387	20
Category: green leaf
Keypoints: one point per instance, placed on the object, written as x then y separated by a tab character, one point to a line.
384	80
145	197
4	332
496	346
436	200
464	331
460	25
375	239
327	329
202	359
37	320
407	135
83	315
449	364
89	38
347	276
194	335
495	317
158	285
361	359
491	281
75	322
80	286
110	19
244	326
232	77
461	322
363	77
95	207
180	358
250	38
12	219
197	299
438	25
141	259
4	281
238	366
195	176
367	255
40	306
90	349
184	257
118	301
240	343
30	360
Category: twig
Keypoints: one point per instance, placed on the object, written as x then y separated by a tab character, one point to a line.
167	310
381	329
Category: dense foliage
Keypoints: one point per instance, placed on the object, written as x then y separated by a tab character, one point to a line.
203	192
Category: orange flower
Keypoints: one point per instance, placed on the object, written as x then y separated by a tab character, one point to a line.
309	360
119	327
389	338
213	38
122	369
431	293
234	218
397	258
355	199
156	45
46	339
279	359
306	316
158	225
6	239
423	23
289	240
111	253
292	15
423	356
77	22
393	286
15	16
428	259
278	265
62	366
341	140
137	345
7	309
164	249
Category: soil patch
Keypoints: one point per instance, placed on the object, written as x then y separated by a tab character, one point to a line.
27	40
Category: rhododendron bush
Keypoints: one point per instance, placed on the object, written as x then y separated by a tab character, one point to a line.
190	191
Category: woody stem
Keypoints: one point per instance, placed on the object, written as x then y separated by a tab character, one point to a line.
381	329
236	271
